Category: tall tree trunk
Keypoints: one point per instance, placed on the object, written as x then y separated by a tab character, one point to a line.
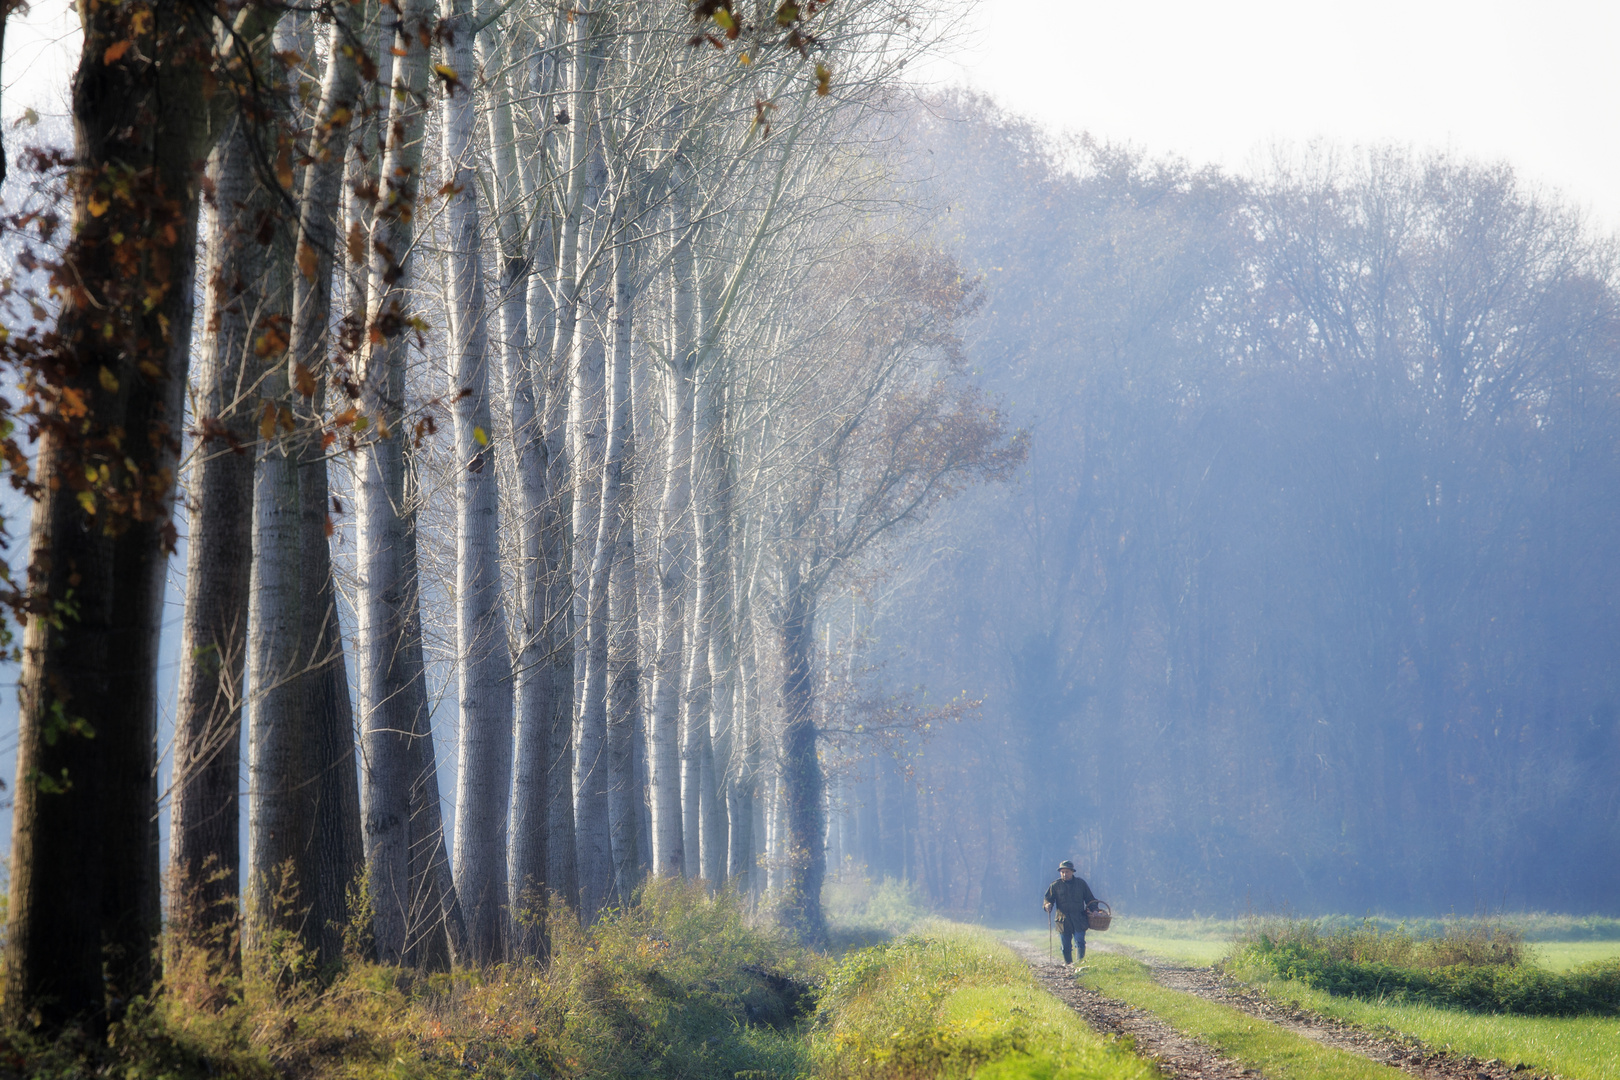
204	844
605	815
384	596
281	757
523	315
805	859
742	792
664	749
697	752
435	932
282	778
556	543
483	666
339	855
718	825
84	904
626	801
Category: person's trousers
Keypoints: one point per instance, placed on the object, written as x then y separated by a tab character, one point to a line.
1078	940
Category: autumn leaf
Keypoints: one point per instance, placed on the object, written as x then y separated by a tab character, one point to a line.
308	261
346	417
357	244
267	420
115	52
823	80
284	419
329	528
272	342
98	205
109	381
480	436
303	380
448	74
787	14
284	172
88	501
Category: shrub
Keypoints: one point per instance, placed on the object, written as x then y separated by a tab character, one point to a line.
1480	966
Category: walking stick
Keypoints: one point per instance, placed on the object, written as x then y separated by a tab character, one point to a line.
1049	954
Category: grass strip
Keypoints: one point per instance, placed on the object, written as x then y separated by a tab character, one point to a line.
1576	1047
1258	1044
952	1001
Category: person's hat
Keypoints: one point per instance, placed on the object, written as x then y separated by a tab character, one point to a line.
1065	865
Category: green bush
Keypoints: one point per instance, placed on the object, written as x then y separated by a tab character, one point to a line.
1480	966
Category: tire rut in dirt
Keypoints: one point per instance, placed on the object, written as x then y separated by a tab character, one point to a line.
1175	1054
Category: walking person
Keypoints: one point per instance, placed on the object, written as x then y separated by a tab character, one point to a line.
1072	898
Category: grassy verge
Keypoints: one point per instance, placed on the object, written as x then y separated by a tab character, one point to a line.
679	986
1278	1053
949	1001
1586	1047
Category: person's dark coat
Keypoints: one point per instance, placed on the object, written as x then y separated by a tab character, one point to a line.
1069	900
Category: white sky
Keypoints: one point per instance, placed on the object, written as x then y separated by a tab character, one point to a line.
1534	83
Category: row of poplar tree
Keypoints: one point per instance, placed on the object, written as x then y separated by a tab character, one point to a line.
555	358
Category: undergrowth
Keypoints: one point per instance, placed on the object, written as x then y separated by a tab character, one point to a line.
1479	965
680	985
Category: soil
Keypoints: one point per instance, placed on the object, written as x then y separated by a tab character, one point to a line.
1180	1056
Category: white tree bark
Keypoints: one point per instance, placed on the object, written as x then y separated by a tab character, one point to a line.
281	806
664	745
483	666
205	859
525	311
558	663
326	705
385	595
603	754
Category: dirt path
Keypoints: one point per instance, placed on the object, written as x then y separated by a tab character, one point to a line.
1176	1054
1183	1057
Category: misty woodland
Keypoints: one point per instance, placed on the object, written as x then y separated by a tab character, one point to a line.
656	441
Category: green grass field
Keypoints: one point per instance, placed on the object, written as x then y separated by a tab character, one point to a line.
1563	955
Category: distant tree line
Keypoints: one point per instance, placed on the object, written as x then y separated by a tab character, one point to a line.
1307	594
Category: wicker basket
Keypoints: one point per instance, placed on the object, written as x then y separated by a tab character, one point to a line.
1101	917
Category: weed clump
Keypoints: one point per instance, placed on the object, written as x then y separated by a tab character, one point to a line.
1480	965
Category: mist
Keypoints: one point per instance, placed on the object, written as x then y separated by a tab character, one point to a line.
1305	596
